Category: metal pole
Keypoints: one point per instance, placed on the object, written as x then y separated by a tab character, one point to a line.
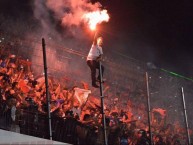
185	116
47	87
149	108
102	105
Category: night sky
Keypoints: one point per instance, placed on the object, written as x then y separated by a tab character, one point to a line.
157	31
161	30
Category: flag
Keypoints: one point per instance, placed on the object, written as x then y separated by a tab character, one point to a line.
81	95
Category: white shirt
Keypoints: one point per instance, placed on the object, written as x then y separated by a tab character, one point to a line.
94	52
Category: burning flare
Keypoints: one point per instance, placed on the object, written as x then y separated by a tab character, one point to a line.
96	17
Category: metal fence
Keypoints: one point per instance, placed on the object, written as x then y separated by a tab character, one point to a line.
128	92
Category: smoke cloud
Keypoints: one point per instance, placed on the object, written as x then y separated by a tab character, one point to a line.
71	11
68	13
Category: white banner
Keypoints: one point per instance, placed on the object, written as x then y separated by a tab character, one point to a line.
81	95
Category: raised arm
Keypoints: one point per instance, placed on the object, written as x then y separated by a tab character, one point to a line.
95	38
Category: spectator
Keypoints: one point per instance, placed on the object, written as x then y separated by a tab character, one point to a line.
142	138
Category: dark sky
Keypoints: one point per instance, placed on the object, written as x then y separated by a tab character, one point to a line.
157	31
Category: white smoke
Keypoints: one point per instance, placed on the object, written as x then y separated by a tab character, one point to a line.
63	20
70	12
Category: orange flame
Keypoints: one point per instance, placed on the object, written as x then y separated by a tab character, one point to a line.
96	17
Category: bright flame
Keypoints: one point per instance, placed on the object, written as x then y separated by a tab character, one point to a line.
96	17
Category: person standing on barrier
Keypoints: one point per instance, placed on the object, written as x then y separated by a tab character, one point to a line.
93	58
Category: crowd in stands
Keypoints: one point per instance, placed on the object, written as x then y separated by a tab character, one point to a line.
21	91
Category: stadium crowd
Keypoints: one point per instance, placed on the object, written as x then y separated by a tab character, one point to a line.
23	98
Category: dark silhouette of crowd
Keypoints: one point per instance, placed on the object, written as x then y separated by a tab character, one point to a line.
23	109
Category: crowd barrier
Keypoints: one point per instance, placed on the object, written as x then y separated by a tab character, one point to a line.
67	130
